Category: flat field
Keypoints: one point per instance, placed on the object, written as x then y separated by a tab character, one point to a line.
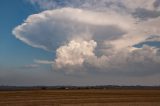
115	97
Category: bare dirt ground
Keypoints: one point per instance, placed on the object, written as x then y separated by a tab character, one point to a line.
80	98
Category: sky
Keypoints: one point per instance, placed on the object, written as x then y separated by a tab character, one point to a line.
79	42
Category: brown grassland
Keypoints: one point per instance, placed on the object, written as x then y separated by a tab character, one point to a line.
110	97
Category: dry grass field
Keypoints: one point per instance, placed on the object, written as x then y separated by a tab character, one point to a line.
80	98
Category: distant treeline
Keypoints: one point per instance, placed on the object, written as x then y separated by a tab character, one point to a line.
10	88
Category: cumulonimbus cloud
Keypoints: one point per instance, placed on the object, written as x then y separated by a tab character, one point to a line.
95	36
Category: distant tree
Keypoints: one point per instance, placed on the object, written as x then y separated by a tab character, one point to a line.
43	88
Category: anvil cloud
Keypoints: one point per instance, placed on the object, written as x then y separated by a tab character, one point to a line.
97	35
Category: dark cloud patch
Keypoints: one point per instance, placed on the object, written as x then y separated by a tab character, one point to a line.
145	14
153	37
156	3
107	32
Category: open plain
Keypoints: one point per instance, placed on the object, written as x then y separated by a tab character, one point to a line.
91	97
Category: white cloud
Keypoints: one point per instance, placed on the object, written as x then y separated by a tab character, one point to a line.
74	53
92	36
145	60
57	26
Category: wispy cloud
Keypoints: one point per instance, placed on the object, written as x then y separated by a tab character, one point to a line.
31	66
43	61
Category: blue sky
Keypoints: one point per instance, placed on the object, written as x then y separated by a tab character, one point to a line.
14	54
14	13
90	42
